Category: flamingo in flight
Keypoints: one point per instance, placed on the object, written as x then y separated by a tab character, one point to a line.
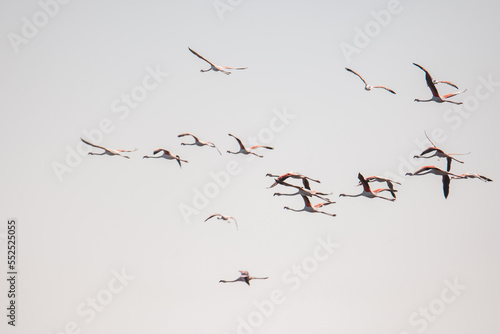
439	153
107	151
390	183
198	142
244	277
292	175
435	95
246	151
367	86
367	192
165	155
304	191
216	68
313	209
473	176
436	171
226	218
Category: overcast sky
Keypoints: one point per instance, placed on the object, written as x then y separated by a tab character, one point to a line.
114	245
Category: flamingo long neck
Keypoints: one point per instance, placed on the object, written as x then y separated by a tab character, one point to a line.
236	280
279	194
296	210
346	195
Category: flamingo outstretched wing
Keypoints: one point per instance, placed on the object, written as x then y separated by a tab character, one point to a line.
453	94
387	89
365	184
348	69
238	140
429	80
199	56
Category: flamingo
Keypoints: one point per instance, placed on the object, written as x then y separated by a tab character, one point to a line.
197	142
390	183
246	151
435	95
216	68
313	209
367	192
473	176
304	192
293	175
165	155
244	277
436	171
439	153
367	86
226	218
107	151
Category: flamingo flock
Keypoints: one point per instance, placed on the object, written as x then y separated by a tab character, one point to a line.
304	189
165	154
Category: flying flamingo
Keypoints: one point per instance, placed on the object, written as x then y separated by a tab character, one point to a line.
165	155
367	86
107	151
226	218
439	153
246	151
436	171
293	175
367	192
244	277
390	183
303	191
473	176
197	142
313	209
435	94
216	68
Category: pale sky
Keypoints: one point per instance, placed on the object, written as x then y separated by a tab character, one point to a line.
110	245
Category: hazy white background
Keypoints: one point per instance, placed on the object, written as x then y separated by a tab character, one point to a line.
111	213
